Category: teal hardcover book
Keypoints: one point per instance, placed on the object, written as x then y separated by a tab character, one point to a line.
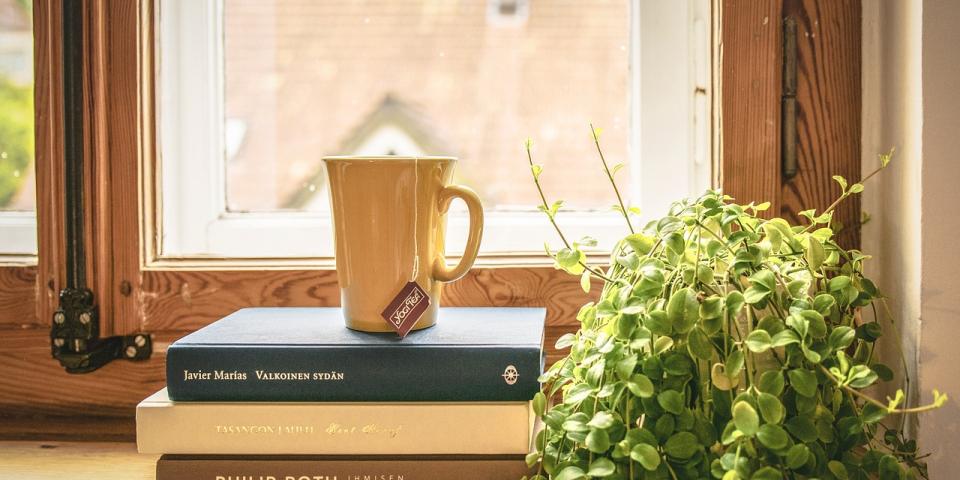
307	354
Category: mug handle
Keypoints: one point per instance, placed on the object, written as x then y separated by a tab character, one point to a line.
440	270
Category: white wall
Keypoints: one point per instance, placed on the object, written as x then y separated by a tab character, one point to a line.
910	59
892	117
940	226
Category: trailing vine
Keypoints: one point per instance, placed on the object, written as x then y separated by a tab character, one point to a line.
723	345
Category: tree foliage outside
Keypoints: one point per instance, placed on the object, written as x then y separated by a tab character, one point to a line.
16	137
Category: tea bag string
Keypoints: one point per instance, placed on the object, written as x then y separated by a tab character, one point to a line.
416	252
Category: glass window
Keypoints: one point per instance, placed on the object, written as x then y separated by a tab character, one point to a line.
255	94
17	182
308	79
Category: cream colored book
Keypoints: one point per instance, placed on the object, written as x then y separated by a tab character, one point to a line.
290	428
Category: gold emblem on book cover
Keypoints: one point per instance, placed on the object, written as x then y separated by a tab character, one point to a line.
511	375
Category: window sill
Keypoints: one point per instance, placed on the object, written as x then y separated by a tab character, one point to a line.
18	260
210	263
18	236
105	461
300	237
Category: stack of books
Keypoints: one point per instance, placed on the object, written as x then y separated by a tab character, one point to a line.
291	393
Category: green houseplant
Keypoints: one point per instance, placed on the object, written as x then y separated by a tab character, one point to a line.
723	345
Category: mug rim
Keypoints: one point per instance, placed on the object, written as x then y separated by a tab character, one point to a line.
429	158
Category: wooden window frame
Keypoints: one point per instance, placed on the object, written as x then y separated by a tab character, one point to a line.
136	292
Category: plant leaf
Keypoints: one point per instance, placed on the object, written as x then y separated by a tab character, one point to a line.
797	456
814	254
758	341
773	436
842	181
755	295
803	381
671	401
572	472
601	467
771	382
598	440
712	307
770	408
886	157
745	418
640	386
539	403
640	243
565	341
683	311
841	337
784	338
764	279
766	473
699	344
676	243
837	469
682	445
646	456
577	393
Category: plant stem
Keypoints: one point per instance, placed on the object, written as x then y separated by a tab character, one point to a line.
714	234
553	221
748	355
842	197
869	399
903	358
670	469
626	415
623	208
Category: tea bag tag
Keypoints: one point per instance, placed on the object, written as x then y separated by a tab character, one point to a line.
406	308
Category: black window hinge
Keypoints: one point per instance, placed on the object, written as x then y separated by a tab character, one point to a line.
788	101
75	335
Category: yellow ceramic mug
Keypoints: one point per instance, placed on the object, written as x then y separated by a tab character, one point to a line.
389	219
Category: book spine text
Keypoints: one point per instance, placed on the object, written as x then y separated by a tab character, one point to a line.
352	374
334	428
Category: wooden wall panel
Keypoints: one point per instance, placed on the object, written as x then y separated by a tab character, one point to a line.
68	428
113	91
175	303
48	104
750	56
828	116
36	384
174	300
18	297
178	300
127	136
828	105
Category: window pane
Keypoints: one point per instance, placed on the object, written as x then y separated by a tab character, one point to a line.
16	106
471	79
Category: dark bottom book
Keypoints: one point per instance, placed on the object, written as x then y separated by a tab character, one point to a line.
341	467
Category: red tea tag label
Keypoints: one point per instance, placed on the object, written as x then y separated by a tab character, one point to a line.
406	308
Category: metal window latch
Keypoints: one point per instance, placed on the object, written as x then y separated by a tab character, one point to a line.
788	101
75	335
